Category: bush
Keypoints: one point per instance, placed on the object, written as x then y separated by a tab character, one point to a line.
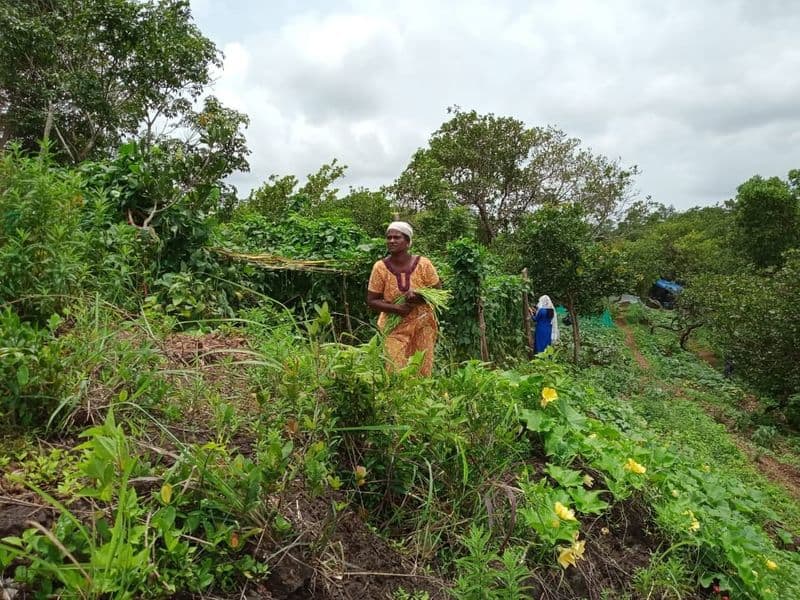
29	369
755	319
41	243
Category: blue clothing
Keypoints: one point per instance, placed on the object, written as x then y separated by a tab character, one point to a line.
544	329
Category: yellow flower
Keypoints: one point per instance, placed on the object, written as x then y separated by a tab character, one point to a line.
588	480
569	555
695	524
592	436
634	467
706	468
548	395
772	565
675	493
564	513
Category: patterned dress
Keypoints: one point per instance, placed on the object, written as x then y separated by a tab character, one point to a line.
417	331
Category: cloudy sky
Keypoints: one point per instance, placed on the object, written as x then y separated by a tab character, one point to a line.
700	95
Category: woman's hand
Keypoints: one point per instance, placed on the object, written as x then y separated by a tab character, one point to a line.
413	297
404	309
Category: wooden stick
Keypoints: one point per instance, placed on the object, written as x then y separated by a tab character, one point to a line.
526	313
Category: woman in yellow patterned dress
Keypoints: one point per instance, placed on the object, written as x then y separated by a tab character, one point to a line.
398	275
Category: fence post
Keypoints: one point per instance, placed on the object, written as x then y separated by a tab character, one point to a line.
526	313
482	330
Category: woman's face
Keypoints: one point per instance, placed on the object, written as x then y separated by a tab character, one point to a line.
396	242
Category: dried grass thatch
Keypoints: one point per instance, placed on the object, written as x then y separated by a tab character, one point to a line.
283	263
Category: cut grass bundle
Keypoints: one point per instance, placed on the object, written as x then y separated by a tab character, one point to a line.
284	263
438	299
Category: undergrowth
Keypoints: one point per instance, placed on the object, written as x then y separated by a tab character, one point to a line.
499	481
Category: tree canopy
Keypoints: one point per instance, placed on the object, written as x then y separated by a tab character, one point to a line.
85	73
503	170
767	217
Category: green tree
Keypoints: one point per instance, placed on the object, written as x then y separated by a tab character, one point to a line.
169	190
755	319
767	218
679	246
503	170
86	73
372	210
280	196
640	217
563	260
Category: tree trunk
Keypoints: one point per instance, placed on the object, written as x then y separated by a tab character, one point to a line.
482	331
526	314
48	124
486	225
576	334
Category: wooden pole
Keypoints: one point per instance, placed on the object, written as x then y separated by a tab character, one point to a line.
482	331
347	322
526	313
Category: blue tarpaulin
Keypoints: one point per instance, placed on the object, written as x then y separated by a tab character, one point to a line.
670	286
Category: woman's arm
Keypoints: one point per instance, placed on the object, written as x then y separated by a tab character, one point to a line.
376	302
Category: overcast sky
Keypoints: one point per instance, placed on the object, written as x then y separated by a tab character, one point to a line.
700	95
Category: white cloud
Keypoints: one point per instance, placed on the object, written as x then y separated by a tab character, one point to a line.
701	96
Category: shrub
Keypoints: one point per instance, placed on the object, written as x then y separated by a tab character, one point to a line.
41	244
29	369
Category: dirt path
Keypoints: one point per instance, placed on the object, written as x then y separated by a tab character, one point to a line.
786	475
630	342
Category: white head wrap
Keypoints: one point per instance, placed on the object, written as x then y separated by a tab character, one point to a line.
545	302
402	227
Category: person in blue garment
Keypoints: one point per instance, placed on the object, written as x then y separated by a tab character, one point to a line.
546	321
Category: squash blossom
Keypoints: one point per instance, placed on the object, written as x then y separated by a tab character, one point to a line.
695	524
564	513
634	467
548	395
569	555
772	565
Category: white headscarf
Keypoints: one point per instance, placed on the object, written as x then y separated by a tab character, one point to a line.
402	227
545	302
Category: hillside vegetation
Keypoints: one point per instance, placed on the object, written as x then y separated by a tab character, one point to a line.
194	396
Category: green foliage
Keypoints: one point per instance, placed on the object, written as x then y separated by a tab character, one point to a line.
679	246
557	247
502	301
467	260
754	319
371	210
436	227
30	369
280	197
767	218
88	73
42	250
502	170
483	574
